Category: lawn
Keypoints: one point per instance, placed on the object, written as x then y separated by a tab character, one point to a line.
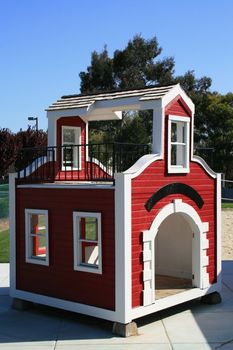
4	201
4	246
227	205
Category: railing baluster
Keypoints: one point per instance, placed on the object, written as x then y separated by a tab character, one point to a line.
71	162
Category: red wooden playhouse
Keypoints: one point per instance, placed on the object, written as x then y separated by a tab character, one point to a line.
116	231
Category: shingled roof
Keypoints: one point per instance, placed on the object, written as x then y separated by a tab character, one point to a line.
85	101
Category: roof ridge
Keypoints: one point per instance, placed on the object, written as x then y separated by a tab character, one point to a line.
118	91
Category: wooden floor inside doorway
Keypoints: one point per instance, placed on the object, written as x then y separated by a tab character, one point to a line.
166	286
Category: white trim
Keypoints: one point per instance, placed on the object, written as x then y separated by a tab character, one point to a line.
184	168
200	258
158	131
65	304
173	300
28	256
80	186
204	165
123	269
52	132
218	226
12	221
78	266
173	93
141	164
36	164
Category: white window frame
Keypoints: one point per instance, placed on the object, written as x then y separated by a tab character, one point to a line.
184	168
78	265
77	130
28	249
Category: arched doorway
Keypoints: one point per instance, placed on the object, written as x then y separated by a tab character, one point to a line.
175	246
173	256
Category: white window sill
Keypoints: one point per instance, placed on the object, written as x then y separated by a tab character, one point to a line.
178	170
88	269
37	261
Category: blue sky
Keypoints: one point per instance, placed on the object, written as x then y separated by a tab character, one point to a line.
44	44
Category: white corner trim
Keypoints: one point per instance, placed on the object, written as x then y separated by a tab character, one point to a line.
141	164
218	226
123	273
205	166
12	216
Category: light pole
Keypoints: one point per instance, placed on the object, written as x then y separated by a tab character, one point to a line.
34	119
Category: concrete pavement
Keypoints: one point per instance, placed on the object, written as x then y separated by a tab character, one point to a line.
191	326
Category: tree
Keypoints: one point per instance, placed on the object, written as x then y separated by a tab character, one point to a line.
11	146
7	151
139	65
135	66
217	131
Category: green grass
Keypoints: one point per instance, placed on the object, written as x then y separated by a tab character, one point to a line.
227	205
4	247
4	201
4	187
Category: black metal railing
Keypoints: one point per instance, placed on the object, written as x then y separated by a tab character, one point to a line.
92	162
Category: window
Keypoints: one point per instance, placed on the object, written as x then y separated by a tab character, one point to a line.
71	150
87	242
178	144
36	236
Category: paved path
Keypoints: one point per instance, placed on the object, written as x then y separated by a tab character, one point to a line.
192	326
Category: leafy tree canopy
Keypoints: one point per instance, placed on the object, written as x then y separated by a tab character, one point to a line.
140	64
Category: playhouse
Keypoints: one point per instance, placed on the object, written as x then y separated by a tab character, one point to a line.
116	231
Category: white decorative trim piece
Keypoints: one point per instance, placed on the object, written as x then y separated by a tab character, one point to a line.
199	160
141	164
34	166
80	186
78	266
148	271
12	221
218	228
123	270
173	93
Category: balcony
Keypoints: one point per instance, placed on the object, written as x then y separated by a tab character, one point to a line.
86	162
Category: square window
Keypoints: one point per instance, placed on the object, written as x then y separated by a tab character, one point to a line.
36	236
87	242
178	144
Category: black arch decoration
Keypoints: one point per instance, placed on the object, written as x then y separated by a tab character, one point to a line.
174	188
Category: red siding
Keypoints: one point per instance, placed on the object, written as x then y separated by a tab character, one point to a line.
178	107
150	181
59	280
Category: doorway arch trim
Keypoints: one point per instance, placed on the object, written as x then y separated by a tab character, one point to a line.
200	245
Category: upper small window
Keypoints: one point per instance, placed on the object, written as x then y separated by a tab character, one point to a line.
71	149
87	242
178	144
36	236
